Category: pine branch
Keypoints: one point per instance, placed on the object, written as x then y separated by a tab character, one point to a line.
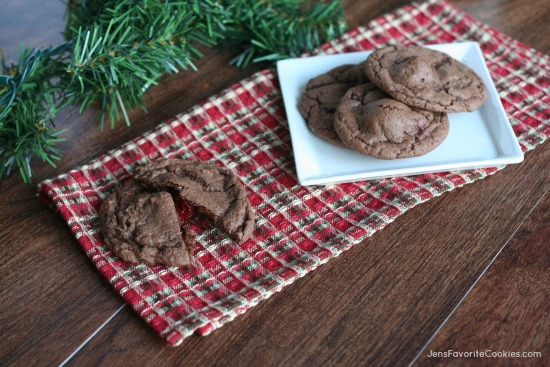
28	103
130	48
117	49
279	29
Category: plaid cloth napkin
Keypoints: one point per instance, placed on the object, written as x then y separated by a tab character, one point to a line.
298	228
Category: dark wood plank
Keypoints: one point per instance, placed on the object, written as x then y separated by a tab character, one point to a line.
512	298
517	18
31	23
52	298
377	304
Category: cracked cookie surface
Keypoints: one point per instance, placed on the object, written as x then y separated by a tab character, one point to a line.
215	191
374	124
143	226
322	95
425	78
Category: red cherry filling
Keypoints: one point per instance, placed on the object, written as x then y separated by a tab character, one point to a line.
186	212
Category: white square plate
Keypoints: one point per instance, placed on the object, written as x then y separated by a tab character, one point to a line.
483	138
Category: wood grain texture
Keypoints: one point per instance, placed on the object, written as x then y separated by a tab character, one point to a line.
51	298
31	24
378	304
512	298
48	285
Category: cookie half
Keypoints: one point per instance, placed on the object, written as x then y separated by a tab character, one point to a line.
386	128
322	95
143	226
215	191
426	78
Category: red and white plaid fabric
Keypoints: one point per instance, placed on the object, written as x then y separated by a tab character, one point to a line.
298	228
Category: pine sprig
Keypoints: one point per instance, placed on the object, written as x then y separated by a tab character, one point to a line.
130	48
279	29
28	103
117	49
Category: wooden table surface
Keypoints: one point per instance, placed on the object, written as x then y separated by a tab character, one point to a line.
465	271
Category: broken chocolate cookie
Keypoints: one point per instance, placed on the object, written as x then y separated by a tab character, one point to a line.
142	226
215	191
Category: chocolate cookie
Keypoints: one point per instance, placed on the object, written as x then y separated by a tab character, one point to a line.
322	95
385	128
142	226
215	191
426	79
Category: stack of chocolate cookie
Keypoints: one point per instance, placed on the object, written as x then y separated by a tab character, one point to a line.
139	221
393	105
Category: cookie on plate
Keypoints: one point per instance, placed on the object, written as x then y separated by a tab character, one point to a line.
426	78
142	226
215	191
374	124
322	95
